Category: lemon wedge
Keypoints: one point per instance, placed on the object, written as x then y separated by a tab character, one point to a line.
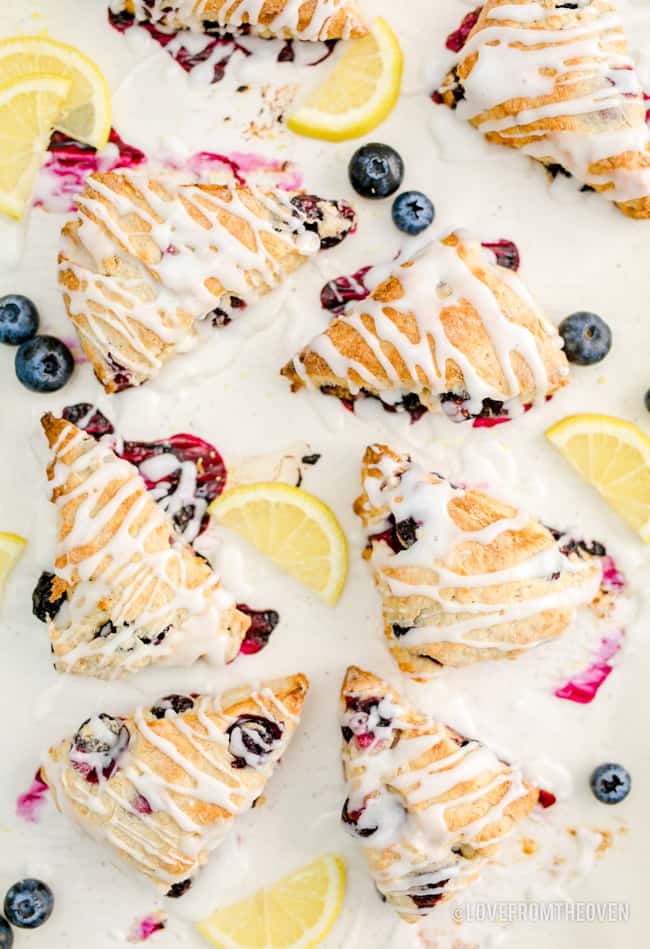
28	109
360	91
297	912
613	456
295	529
86	116
11	549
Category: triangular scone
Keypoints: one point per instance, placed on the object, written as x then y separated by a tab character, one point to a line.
428	805
463	577
447	328
296	19
148	257
557	80
162	786
131	593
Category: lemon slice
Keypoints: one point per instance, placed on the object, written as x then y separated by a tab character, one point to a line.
614	457
297	912
296	530
360	91
11	548
87	113
28	109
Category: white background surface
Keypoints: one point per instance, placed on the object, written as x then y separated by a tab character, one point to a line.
577	253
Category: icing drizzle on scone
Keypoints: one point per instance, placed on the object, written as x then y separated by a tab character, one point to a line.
427	804
462	576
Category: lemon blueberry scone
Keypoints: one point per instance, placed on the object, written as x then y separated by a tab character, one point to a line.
296	19
557	81
163	785
150	257
463	577
448	328
428	805
125	592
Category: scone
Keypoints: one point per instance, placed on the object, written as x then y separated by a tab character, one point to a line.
462	576
126	593
557	81
428	805
448	329
163	785
151	259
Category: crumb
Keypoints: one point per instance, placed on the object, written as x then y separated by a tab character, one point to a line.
606	840
529	846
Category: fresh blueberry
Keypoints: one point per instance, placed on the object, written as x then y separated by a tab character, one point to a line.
611	783
647	400
587	338
29	904
18	319
6	934
412	212
376	170
44	364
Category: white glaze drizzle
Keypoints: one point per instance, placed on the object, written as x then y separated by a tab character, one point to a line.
433	280
404	489
411	849
169	834
191	14
167	296
122	567
521	54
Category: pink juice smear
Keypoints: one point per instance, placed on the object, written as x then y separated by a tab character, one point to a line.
143	929
583	686
29	804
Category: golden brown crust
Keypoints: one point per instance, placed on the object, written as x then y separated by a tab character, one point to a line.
463	327
119	601
155	838
465	820
437	606
569	84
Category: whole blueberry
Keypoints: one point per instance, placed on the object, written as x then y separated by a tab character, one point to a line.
44	364
647	400
412	212
611	783
6	934
587	338
18	319
376	170
29	904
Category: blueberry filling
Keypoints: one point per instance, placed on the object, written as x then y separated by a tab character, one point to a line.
399	631
252	739
424	900
351	819
87	417
121	376
456	40
506	253
311	459
313	210
457	90
157	639
105	630
263	622
44	606
399	536
342	290
178	889
172	703
453	405
97	747
347	734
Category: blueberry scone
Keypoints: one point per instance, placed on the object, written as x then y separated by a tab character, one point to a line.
447	329
557	80
462	576
125	592
151	259
294	19
163	785
428	805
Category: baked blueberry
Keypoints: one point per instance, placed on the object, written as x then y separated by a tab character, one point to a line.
251	739
29	904
611	783
18	319
587	338
45	605
412	212
6	934
98	746
177	704
376	170
44	364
